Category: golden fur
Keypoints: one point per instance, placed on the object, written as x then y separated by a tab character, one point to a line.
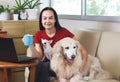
68	71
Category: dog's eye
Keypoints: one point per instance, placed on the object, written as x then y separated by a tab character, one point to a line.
74	47
45	43
66	47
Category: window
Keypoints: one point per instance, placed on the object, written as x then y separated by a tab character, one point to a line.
89	7
67	7
103	7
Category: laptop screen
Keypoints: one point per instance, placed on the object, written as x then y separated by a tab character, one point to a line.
7	50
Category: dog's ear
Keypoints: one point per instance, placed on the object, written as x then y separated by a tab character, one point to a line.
50	41
42	40
78	46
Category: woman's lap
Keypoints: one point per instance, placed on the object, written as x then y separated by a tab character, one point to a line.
43	72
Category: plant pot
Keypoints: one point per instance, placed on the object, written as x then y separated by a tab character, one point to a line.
4	16
32	14
15	16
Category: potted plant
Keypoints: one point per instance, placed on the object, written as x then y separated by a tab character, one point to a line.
32	9
33	3
4	12
20	6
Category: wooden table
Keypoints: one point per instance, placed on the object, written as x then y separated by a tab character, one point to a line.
3	33
4	66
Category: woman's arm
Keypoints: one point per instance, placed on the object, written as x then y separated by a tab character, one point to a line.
39	50
36	50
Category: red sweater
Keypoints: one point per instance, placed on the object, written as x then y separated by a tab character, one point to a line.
60	33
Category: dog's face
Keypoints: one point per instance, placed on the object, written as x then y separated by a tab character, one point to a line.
45	42
69	49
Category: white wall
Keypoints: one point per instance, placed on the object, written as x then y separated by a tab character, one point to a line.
12	2
7	2
45	3
90	25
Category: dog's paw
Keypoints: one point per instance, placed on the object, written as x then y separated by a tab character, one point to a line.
86	78
62	80
76	78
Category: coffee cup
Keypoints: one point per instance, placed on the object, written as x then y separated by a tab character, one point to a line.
28	40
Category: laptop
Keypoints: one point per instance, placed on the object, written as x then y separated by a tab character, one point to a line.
8	52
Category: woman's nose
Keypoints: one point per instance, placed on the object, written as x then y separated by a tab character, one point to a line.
48	20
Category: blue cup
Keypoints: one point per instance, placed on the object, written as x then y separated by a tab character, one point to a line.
28	40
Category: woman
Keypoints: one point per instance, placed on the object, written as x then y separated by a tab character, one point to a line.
50	29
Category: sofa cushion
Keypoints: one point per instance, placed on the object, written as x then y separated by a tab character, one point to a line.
110	80
88	39
109	52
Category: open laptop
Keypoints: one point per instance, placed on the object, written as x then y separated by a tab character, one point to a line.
8	52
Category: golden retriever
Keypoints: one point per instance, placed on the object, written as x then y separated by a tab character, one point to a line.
66	61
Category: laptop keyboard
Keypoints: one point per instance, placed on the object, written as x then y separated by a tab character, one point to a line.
23	58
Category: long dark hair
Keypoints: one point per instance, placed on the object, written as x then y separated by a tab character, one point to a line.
57	25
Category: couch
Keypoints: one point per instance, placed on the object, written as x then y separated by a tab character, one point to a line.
105	46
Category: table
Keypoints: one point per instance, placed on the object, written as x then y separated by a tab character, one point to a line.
4	66
3	33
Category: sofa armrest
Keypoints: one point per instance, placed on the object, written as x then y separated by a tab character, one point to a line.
109	52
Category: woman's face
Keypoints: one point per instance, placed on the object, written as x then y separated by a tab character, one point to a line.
48	19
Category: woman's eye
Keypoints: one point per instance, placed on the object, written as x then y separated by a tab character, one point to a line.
44	18
51	18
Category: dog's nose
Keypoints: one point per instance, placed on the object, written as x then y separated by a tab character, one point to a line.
73	56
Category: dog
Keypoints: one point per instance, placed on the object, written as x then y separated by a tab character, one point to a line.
47	48
94	71
31	52
67	60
